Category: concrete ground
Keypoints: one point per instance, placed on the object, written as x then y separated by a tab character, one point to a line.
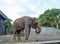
32	38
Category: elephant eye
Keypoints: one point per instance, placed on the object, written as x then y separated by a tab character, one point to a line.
36	23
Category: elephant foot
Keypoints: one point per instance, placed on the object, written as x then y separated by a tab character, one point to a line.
14	38
26	38
19	39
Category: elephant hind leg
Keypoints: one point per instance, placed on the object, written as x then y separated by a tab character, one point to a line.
18	34
14	34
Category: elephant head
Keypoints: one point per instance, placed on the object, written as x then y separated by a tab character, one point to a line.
36	25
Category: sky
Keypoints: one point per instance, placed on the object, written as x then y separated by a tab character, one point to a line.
14	9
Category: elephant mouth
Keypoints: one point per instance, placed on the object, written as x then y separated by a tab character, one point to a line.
37	31
34	27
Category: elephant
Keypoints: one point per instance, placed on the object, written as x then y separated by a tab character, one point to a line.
25	23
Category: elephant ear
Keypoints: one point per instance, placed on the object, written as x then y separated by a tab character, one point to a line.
34	18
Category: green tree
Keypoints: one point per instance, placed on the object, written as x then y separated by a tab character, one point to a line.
8	24
50	18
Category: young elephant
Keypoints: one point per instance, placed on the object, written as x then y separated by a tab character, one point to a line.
25	23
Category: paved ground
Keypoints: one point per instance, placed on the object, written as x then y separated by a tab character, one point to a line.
32	38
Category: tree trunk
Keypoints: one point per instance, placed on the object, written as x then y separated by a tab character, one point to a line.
57	26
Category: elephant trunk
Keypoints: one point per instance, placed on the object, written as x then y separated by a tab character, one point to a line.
38	30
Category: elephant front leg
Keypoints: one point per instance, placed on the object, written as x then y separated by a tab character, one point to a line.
27	32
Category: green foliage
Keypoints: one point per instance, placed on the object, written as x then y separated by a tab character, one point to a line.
50	18
8	24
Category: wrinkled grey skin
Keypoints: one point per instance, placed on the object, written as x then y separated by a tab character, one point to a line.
25	23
